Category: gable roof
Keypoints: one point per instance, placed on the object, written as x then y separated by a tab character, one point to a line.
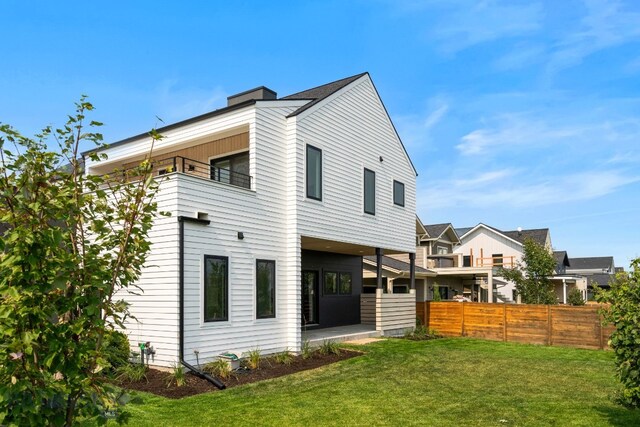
602	280
589	263
538	235
319	93
396	264
463	230
561	257
436	230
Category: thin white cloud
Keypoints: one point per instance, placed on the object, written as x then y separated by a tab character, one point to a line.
607	23
484	21
508	188
520	57
517	132
175	102
416	129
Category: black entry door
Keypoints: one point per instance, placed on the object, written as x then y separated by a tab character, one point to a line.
310	288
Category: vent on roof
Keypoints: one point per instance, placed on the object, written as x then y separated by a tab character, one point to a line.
259	93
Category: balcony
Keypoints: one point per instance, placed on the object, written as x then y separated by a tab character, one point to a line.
179	164
502	261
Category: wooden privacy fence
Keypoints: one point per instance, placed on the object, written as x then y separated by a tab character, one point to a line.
533	324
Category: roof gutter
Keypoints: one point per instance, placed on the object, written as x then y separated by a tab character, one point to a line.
196	371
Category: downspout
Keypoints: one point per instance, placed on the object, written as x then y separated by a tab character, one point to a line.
199	373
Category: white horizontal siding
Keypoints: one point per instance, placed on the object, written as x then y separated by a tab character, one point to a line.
353	131
155	304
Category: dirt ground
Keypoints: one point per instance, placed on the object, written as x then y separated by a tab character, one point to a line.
156	381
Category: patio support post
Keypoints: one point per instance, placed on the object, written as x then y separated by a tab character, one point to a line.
379	268
412	270
490	286
564	291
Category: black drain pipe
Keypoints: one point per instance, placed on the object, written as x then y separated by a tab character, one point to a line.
196	371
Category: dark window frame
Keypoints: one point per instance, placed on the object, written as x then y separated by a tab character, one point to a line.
319	151
273	296
373	212
324	283
226	290
345	273
395	194
233	177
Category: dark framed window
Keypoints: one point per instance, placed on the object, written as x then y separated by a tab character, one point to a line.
369	191
466	261
314	173
232	170
265	289
345	286
497	260
398	193
216	288
330	283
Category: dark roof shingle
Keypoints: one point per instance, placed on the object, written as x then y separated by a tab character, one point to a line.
602	262
317	94
435	230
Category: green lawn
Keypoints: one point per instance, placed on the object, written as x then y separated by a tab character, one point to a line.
448	382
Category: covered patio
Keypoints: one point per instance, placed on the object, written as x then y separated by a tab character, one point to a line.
333	295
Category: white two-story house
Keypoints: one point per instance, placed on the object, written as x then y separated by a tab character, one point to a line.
273	202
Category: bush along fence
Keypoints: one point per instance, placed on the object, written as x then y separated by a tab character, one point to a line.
578	327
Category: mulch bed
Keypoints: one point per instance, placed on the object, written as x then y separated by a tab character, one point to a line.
156	381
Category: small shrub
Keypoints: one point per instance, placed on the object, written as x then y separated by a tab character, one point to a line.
131	372
329	347
253	359
575	297
436	293
218	368
422	333
117	349
284	357
306	350
178	376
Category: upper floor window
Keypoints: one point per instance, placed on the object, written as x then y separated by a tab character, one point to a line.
216	288
314	173
232	170
369	191
398	193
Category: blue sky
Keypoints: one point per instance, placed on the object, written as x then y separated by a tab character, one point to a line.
515	113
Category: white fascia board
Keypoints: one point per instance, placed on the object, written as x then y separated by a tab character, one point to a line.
481	225
281	103
173	137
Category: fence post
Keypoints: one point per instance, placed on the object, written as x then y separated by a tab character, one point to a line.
504	322
600	327
426	313
462	320
549	327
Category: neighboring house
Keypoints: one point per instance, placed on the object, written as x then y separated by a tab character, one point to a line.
273	202
467	262
599	271
564	279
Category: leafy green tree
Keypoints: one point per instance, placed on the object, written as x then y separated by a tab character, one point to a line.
575	297
531	274
623	311
71	242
